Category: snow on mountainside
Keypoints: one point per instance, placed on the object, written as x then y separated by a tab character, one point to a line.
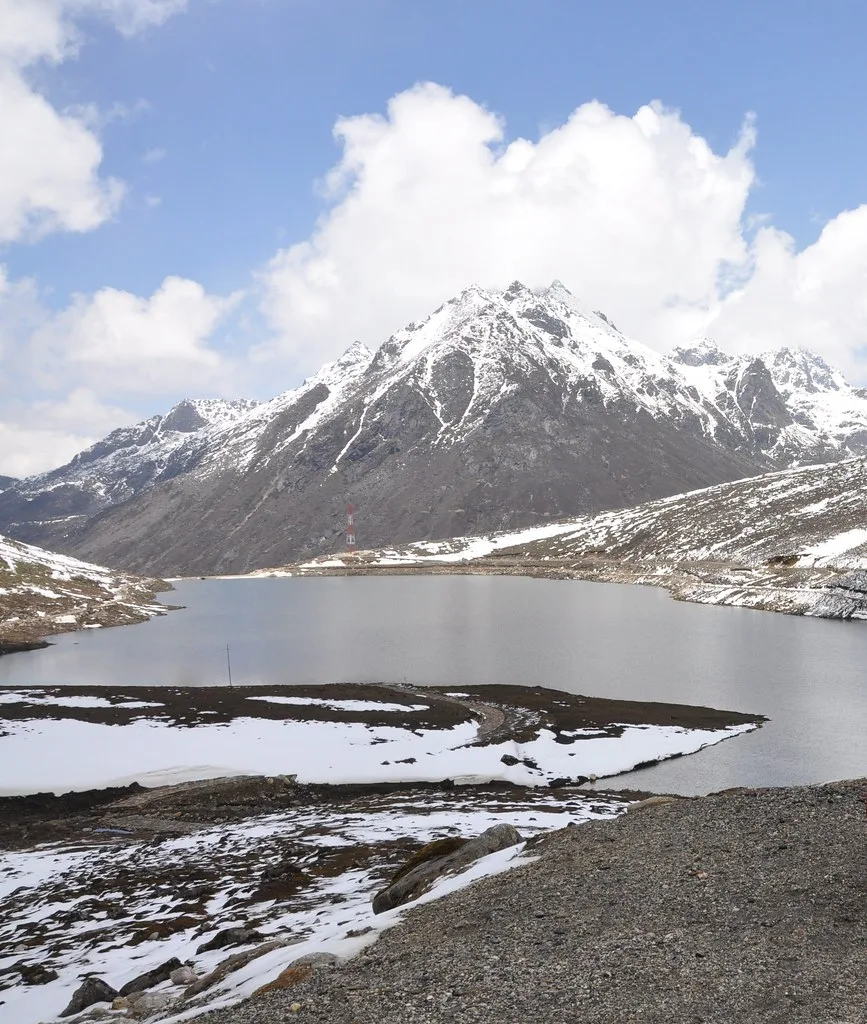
42	593
500	410
115	469
803	407
811	517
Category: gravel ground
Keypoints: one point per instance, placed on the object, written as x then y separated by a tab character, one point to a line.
745	906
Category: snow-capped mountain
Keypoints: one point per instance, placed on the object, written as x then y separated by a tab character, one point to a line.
500	410
114	470
789	402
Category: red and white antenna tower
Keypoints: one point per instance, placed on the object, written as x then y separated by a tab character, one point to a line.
351	547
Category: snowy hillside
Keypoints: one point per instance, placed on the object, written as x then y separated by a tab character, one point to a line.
43	593
498	411
791	541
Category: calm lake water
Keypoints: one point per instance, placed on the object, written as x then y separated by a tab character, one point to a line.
806	675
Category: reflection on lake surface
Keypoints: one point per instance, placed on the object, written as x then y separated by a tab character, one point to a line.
806	675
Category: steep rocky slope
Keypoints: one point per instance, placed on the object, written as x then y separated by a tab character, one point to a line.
43	593
500	410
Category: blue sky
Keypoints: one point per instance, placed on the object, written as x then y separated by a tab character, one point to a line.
218	116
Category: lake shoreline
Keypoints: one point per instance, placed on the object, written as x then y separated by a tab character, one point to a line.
821	593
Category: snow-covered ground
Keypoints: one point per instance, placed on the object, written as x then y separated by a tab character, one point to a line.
57	754
144	880
88	908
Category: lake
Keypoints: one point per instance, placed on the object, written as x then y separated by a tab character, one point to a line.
609	640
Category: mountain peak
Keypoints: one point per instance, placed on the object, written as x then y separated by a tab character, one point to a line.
802	370
357	352
557	290
517	290
703	352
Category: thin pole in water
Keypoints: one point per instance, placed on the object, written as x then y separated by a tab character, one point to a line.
229	665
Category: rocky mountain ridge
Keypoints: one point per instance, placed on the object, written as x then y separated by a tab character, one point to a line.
500	410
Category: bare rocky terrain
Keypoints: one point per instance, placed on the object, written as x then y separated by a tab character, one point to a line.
747	906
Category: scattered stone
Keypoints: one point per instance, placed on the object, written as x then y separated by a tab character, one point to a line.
232	963
35	974
151	978
90	991
148	1003
184	975
229	937
409	885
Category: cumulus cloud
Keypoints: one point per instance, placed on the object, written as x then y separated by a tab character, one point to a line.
636	214
50	181
49	168
50	160
135	344
814	299
36	437
146	351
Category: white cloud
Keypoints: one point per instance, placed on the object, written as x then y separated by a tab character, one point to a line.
48	433
637	215
815	299
155	155
74	364
49	167
128	343
50	160
129	16
633	212
153	201
25	451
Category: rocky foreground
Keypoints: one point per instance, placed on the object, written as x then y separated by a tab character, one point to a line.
747	906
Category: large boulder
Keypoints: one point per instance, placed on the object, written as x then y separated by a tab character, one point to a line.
151	978
90	991
409	885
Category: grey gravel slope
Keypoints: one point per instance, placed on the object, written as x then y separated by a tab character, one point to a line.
747	906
